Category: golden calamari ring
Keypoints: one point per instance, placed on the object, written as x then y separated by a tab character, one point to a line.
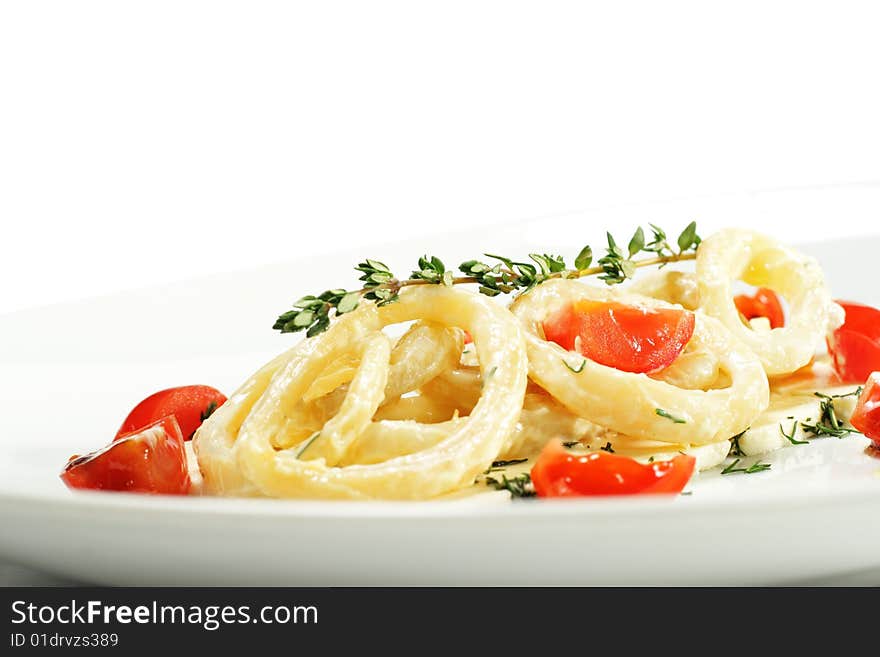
236	446
627	403
734	254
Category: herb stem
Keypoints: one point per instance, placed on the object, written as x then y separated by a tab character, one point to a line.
397	285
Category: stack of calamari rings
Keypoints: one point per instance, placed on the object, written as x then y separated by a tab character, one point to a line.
354	414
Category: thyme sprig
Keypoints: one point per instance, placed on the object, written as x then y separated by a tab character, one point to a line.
501	275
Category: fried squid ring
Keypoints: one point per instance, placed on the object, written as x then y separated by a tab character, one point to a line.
627	403
235	445
733	254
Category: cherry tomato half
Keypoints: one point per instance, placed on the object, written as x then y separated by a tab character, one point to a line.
151	460
191	405
561	473
866	417
855	346
764	303
628	338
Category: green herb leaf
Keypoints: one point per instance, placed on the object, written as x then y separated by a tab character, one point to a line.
669	416
308	443
347	303
432	270
791	436
518	486
637	243
504	464
584	259
689	238
828	423
757	466
208	412
735	449
501	465
580	367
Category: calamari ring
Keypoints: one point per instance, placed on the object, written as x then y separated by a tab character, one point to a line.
669	285
424	351
235	449
627	402
733	254
542	419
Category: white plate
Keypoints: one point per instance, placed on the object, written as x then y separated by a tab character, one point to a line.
69	374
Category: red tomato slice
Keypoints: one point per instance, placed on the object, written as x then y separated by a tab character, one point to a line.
151	460
191	405
561	473
855	346
628	338
866	417
764	303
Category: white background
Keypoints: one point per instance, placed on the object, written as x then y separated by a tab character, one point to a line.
152	141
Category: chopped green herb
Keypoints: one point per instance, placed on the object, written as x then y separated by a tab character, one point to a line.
308	443
205	414
502	464
488	376
828	423
791	436
735	449
669	416
580	367
518	486
757	466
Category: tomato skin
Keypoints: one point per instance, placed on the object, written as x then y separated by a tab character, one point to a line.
855	346
629	338
764	303
152	460
866	417
186	403
561	473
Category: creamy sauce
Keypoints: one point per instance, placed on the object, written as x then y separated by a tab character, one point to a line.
792	402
